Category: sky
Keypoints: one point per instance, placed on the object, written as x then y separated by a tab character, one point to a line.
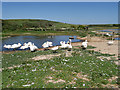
67	12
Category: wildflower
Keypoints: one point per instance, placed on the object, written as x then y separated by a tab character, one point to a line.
83	84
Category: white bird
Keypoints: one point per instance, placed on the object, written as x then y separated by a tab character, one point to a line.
24	47
110	42
54	48
47	44
33	47
15	46
7	46
63	45
69	44
108	34
84	44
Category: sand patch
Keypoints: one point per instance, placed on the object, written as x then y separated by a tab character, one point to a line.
43	57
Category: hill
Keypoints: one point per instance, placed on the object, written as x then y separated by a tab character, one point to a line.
37	25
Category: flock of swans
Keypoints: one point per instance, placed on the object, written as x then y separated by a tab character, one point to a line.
45	45
29	45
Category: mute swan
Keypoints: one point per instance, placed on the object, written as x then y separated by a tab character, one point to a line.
84	44
15	46
108	34
7	46
63	45
33	48
47	44
54	49
24	47
110	42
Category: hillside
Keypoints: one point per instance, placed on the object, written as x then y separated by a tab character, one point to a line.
36	24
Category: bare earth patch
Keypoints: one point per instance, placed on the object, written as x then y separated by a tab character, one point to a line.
42	57
110	85
103	57
112	78
101	45
72	82
58	81
84	77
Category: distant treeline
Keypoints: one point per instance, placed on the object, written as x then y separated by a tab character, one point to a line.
43	25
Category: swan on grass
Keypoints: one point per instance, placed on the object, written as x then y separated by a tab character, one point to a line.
54	49
33	47
46	45
84	44
110	42
68	45
108	34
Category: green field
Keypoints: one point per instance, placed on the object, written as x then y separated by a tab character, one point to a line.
82	69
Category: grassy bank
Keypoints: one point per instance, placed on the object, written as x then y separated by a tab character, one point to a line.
40	33
80	69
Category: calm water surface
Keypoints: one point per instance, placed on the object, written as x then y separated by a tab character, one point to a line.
37	40
110	30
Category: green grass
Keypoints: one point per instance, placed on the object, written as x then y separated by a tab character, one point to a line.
42	33
97	71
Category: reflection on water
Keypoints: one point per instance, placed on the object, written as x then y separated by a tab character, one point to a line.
37	40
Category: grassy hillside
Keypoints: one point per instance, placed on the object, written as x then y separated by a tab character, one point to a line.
37	25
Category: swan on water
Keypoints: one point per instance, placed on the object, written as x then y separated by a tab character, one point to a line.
7	46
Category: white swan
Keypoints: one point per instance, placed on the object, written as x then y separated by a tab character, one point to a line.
24	47
110	42
84	44
33	47
47	44
63	45
70	46
7	46
108	34
54	48
15	46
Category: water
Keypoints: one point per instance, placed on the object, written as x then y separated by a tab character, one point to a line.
117	38
110	30
37	40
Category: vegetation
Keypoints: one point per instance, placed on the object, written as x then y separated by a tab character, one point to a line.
80	70
37	25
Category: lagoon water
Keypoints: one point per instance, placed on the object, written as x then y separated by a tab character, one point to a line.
110	30
37	40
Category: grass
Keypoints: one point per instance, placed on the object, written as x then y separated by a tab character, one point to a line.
41	33
66	68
